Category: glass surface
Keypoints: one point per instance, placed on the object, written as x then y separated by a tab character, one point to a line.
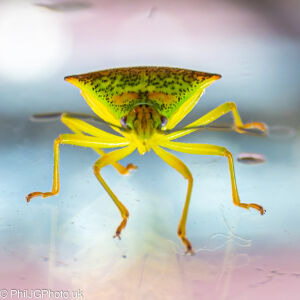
64	243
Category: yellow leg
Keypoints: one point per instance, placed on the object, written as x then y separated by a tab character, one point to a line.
77	140
214	150
217	113
103	161
177	164
78	126
120	168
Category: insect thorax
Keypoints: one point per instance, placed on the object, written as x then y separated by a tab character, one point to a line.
143	122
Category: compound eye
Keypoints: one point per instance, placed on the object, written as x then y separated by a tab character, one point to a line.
164	121
123	122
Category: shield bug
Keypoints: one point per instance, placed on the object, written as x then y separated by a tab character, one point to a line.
143	105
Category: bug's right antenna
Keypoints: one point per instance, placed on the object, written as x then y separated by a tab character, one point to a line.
219	127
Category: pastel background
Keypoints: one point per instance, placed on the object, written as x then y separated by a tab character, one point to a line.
65	242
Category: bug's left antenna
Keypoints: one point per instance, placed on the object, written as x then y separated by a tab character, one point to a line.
54	116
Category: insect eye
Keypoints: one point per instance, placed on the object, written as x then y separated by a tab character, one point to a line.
164	121
123	122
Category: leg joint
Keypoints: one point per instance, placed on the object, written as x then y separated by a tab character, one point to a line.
59	139
190	178
227	153
96	169
224	152
188	175
180	232
232	105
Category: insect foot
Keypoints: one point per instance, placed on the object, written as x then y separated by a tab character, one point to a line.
255	128
120	228
253	205
36	194
186	242
189	250
258	207
130	167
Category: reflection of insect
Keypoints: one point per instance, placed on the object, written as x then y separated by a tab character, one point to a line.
142	104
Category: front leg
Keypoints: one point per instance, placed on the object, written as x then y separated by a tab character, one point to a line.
80	127
215	114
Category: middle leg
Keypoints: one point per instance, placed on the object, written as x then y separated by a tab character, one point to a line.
204	149
77	140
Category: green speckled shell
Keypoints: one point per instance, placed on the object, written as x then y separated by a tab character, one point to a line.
164	88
